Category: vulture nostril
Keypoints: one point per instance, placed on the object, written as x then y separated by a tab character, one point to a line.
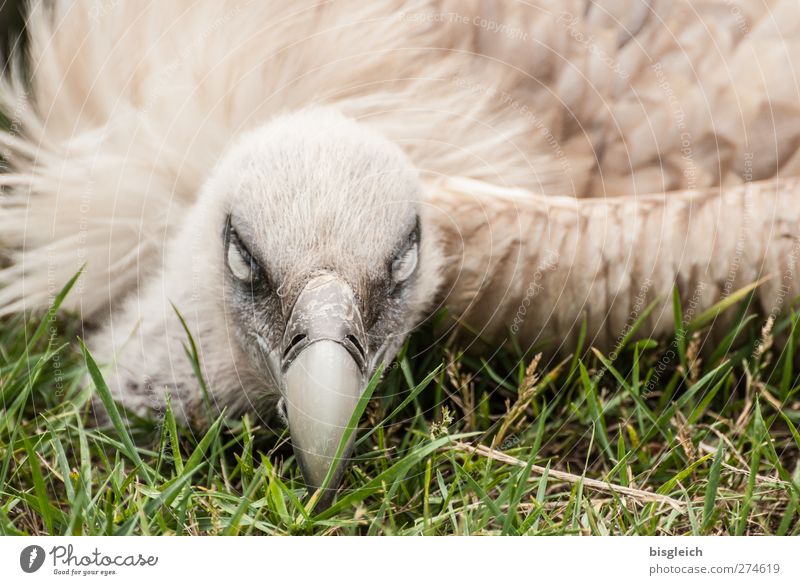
354	340
296	340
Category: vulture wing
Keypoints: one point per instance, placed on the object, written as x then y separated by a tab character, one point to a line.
124	107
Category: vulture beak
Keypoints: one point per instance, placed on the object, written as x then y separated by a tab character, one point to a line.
325	371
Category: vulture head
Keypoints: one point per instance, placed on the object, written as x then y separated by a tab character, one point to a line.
324	264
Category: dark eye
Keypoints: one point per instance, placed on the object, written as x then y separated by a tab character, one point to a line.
240	262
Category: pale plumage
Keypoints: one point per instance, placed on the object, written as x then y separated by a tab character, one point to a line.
563	159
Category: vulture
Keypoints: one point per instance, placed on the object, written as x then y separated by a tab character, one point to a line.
299	184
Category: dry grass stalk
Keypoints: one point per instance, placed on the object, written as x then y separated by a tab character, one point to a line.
604	486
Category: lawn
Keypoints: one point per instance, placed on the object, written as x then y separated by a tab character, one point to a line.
658	437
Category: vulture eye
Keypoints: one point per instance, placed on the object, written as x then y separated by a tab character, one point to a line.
238	264
405	262
240	261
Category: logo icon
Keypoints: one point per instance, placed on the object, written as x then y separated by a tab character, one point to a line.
31	558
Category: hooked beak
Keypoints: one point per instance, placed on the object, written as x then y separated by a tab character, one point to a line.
324	370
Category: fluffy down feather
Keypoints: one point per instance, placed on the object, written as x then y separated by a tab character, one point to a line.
513	112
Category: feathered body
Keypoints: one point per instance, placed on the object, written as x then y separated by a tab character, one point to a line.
576	157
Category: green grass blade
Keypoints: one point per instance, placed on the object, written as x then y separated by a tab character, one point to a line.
113	413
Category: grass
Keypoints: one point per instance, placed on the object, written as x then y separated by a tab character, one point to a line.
670	436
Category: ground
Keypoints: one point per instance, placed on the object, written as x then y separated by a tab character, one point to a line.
657	437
